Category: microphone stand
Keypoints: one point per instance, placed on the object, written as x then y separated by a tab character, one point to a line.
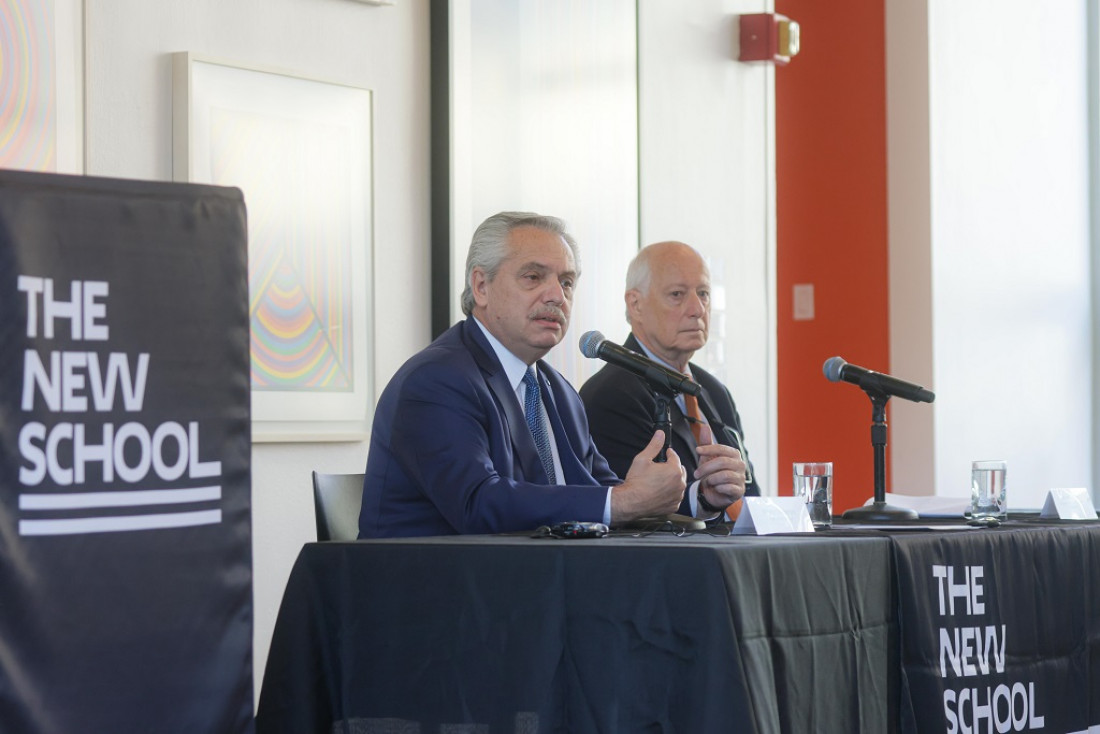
662	419
878	510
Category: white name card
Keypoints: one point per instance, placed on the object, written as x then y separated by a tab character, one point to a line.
766	515
1069	504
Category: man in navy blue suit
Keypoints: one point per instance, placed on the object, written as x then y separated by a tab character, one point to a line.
465	439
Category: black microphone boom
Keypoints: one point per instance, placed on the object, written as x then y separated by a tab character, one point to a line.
594	345
836	369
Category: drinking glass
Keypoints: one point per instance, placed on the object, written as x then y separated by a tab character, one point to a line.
813	482
988	496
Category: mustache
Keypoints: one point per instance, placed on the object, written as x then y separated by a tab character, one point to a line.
549	312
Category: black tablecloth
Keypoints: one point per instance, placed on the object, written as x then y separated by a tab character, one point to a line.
509	634
1000	628
909	629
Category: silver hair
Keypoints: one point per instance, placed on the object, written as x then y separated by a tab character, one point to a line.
638	273
490	245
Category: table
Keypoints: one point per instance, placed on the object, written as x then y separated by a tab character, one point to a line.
660	633
847	630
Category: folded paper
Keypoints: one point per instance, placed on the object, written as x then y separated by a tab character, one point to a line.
1068	504
766	515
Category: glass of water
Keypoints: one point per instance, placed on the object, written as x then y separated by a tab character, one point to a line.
988	490
813	482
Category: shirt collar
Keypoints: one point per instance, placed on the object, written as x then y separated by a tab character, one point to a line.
658	360
679	396
514	367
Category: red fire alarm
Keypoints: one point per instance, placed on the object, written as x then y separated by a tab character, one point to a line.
768	37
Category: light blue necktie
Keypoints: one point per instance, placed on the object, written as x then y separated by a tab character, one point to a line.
532	406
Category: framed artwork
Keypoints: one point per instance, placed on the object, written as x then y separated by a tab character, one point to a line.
42	85
300	150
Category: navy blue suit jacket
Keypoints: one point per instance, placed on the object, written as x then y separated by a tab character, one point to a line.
450	451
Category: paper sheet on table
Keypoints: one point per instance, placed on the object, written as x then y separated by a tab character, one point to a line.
928	505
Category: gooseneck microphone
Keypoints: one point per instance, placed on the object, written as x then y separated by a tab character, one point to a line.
837	369
595	346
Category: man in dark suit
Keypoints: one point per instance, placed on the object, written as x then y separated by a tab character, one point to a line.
475	434
668	307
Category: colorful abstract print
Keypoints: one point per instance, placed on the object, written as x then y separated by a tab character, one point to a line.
300	298
28	85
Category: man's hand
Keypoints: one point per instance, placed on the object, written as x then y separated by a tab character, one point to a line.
721	473
650	488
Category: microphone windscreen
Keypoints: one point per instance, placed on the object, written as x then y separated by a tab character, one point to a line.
590	344
832	368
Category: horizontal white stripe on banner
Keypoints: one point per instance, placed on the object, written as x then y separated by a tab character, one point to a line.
80	500
78	526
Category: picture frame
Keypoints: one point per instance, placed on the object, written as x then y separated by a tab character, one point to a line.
43	86
300	150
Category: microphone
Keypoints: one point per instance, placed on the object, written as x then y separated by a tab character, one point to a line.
836	369
594	345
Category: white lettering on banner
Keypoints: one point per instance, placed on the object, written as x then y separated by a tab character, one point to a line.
82	309
40	448
970	651
62	385
79	381
970	590
962	647
1001	709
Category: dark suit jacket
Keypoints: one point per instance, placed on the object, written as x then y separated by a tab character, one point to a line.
450	451
620	409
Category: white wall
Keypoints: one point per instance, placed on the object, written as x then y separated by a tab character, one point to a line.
544	109
129	134
1007	248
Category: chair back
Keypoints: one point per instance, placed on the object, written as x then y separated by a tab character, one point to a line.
336	500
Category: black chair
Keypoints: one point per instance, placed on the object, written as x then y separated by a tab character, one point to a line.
336	500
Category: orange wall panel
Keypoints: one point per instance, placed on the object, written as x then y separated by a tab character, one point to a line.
832	233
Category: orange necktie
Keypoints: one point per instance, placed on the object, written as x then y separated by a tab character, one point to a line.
691	409
695	419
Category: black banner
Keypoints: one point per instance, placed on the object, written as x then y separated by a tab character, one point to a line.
125	531
1000	630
